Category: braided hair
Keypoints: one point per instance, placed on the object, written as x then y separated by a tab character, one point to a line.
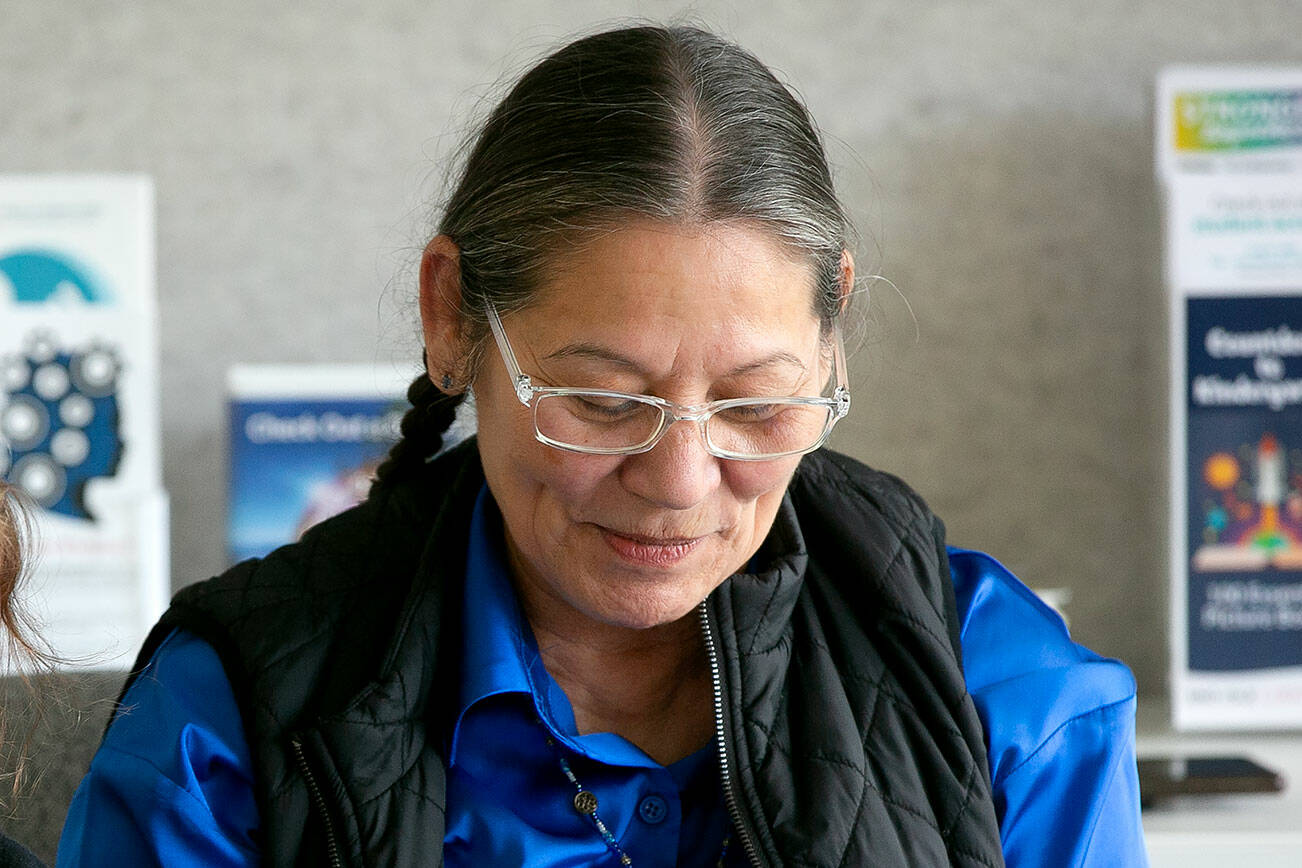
664	123
431	414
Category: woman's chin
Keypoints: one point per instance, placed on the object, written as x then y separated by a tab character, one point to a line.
643	608
632	585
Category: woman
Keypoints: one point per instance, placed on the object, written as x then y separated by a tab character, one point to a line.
642	619
20	650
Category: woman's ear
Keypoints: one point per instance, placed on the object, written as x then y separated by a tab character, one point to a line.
847	280
440	313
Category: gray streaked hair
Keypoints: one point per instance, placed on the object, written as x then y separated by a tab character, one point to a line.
673	124
665	123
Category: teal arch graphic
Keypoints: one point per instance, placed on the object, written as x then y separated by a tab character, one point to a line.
37	276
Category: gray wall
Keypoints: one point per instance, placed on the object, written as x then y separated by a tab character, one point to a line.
997	157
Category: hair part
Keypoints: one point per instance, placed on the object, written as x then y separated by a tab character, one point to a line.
669	124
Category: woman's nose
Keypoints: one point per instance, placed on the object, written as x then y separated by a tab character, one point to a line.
677	473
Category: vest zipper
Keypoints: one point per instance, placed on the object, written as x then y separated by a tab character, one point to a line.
725	769
318	801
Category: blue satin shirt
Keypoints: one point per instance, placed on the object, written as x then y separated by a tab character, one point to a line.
173	782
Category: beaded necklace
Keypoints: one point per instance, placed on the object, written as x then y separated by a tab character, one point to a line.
585	802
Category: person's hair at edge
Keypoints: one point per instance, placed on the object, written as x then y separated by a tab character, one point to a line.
672	124
22	653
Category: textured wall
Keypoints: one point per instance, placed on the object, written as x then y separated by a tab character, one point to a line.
997	157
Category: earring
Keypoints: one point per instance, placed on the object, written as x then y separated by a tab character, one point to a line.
447	382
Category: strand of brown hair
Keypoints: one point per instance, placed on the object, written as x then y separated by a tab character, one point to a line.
23	652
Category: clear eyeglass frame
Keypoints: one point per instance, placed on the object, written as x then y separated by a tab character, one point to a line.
529	395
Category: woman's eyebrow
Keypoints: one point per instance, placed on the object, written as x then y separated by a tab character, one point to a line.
772	360
596	352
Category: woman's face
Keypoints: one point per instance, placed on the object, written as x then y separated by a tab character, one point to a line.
688	314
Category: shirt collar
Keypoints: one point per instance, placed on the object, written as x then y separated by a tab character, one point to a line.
500	655
496	644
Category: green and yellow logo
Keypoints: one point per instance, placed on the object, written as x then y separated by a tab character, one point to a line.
1238	120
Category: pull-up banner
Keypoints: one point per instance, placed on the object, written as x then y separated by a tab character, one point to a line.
79	419
1229	155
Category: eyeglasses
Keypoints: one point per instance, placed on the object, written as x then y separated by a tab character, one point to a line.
602	422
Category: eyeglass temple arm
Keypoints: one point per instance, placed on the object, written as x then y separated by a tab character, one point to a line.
842	393
523	385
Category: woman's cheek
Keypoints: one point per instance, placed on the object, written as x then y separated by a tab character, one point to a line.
753	480
580	483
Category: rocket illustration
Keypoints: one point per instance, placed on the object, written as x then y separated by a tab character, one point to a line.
1270	481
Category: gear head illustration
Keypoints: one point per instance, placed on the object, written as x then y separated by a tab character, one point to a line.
60	425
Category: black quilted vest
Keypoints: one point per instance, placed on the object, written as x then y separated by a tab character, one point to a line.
850	738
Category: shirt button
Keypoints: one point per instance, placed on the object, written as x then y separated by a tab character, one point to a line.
653	810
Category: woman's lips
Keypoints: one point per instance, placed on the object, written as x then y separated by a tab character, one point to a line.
651	551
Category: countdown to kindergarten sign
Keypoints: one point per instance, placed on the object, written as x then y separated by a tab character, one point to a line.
1229	155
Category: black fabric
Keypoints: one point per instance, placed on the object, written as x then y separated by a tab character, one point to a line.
859	744
849	733
15	855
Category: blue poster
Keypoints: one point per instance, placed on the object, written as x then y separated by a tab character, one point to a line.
295	462
1244	472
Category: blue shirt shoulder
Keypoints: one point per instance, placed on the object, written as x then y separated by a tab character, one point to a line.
172	783
1059	722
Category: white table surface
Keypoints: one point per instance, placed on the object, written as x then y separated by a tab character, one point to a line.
1258	831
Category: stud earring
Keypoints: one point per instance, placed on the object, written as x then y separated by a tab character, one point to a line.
447	382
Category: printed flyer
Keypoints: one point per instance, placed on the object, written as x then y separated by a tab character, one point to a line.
79	426
305	441
1230	161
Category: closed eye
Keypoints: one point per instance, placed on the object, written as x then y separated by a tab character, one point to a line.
608	407
750	412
